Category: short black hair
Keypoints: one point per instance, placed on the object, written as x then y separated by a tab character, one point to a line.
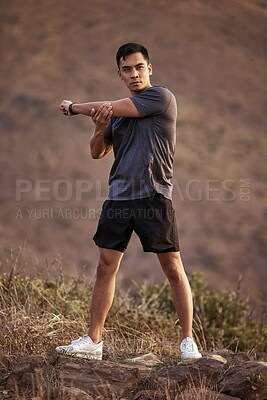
130	48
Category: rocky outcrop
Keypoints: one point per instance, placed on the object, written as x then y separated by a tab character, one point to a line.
224	376
249	379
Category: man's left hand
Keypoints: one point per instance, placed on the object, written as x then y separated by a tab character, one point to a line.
64	107
102	116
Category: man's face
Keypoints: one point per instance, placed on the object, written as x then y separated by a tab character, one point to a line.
135	72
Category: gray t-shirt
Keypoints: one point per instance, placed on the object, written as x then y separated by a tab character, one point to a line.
144	147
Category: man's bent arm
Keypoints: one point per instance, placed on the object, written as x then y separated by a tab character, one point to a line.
121	108
99	147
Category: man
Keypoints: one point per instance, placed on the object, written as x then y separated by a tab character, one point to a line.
142	133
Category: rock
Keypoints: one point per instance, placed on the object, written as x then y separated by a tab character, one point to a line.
66	394
231	356
219	358
264	363
74	394
203	393
4	362
99	378
149	360
208	370
149	395
27	375
204	370
4	368
246	380
65	378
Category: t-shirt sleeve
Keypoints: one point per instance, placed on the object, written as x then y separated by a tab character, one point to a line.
154	100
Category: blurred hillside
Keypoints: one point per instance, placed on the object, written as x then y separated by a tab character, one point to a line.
211	55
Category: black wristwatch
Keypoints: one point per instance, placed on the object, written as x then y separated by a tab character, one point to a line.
70	109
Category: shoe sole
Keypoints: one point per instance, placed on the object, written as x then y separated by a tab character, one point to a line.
95	356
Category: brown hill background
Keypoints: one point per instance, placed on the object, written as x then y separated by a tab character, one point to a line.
211	55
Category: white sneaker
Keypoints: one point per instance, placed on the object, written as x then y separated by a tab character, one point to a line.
189	350
83	347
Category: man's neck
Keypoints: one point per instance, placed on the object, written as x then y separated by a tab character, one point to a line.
140	91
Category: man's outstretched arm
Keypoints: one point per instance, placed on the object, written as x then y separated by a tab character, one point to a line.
121	108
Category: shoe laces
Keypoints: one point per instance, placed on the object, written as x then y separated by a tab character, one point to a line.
80	341
188	345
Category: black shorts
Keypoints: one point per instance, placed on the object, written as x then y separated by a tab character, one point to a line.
151	218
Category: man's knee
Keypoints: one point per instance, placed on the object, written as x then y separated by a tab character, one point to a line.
108	264
172	266
106	270
174	272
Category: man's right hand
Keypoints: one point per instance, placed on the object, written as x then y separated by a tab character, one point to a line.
102	116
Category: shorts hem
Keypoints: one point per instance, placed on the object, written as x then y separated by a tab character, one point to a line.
171	250
120	249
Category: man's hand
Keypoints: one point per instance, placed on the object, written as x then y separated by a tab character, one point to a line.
102	116
64	107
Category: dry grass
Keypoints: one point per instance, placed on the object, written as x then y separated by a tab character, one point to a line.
37	314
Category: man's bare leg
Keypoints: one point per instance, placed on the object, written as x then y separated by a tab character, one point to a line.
103	293
172	266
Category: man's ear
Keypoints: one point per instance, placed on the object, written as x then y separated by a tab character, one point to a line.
150	69
119	73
